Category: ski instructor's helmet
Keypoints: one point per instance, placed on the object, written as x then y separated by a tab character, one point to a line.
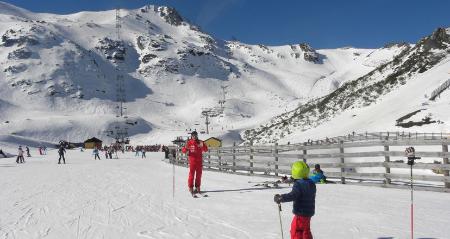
300	170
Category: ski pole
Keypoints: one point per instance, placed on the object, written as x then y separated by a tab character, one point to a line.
410	153
281	224
412	204
173	177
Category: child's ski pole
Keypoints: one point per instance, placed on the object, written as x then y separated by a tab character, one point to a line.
281	224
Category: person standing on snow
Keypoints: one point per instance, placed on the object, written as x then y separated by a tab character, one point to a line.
110	151
28	151
20	158
106	152
95	152
303	195
61	152
143	152
195	148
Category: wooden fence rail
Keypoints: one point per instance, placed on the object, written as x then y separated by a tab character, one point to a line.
373	163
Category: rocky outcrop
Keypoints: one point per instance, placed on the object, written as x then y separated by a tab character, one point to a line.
16	68
18	37
112	49
170	15
20	54
306	51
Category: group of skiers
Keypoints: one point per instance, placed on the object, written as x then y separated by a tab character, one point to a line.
20	152
42	150
303	192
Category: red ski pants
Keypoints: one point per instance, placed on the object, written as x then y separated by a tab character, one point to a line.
300	228
195	171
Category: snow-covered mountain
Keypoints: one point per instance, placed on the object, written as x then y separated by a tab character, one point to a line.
58	79
395	96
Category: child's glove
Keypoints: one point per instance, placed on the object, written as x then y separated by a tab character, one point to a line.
410	152
277	198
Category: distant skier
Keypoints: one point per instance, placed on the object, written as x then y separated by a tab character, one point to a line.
195	148
143	153
110	151
28	151
138	151
317	175
166	151
303	195
106	152
95	152
61	152
20	158
2	153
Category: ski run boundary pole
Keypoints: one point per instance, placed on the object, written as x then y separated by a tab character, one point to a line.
173	178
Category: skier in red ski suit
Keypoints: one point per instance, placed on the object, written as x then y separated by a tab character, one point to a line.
195	149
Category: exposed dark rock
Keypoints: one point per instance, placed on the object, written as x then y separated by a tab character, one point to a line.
11	38
170	15
20	54
309	53
16	68
148	57
395	44
438	40
22	83
112	49
409	124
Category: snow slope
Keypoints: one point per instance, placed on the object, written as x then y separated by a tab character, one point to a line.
57	75
132	198
400	90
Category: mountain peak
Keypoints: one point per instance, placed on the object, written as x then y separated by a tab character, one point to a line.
9	9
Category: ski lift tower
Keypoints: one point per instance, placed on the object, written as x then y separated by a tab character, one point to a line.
223	101
120	131
207	113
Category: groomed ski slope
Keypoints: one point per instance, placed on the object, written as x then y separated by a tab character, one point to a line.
132	198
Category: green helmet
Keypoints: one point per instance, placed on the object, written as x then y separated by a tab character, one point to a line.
300	170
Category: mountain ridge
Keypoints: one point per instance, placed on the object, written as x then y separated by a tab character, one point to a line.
61	68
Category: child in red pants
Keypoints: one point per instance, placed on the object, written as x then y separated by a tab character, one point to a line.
303	195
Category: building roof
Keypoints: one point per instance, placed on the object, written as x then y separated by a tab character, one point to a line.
214	138
93	139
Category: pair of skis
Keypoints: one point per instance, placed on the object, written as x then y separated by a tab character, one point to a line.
267	184
197	194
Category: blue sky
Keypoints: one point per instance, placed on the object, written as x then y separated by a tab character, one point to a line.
321	23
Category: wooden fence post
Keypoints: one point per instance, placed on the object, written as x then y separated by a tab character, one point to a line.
304	153
209	158
234	156
251	157
445	161
387	159
276	159
341	150
219	158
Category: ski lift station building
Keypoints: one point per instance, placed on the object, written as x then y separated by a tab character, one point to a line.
92	143
213	142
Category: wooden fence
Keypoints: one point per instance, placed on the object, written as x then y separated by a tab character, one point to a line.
376	162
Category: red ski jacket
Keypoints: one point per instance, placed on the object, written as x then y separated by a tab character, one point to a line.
195	151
